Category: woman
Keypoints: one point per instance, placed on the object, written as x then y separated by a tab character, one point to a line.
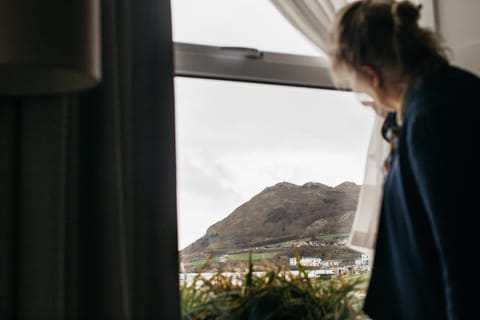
426	240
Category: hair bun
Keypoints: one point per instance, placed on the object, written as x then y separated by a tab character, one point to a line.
405	15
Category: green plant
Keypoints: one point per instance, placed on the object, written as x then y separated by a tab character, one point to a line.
271	294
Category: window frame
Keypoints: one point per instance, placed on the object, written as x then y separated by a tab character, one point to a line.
251	65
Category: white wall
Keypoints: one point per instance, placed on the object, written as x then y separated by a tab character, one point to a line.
458	21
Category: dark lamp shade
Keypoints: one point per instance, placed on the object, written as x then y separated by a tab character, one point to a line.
49	46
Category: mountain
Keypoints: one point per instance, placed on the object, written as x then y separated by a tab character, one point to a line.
281	213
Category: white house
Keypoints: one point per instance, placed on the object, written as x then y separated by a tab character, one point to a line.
306	261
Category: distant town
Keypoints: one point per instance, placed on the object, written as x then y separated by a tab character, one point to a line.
332	267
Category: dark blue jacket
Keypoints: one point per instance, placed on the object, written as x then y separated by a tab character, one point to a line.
428	239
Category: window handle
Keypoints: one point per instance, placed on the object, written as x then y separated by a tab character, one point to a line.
250	53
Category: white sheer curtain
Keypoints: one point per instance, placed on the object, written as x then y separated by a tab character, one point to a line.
313	18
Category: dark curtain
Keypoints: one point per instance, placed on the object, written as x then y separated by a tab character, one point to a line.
87	184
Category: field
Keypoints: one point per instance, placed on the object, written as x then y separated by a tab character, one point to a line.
237	257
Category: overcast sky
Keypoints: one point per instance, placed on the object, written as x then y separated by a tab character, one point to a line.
234	139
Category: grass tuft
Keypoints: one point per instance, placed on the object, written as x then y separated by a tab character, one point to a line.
271	294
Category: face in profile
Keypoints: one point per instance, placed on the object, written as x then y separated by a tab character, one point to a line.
373	98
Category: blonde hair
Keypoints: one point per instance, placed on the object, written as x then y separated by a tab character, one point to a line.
385	36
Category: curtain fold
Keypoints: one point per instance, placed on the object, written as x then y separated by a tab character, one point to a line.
365	224
313	18
87	184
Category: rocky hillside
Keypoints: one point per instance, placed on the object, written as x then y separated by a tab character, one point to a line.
282	212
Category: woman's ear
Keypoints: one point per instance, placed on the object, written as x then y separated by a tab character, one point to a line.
371	76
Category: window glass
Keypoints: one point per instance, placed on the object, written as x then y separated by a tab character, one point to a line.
267	167
246	23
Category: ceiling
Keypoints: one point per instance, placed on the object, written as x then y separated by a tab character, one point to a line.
459	23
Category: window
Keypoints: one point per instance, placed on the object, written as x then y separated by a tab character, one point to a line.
235	139
269	162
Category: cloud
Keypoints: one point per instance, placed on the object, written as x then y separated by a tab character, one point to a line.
237	117
205	177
